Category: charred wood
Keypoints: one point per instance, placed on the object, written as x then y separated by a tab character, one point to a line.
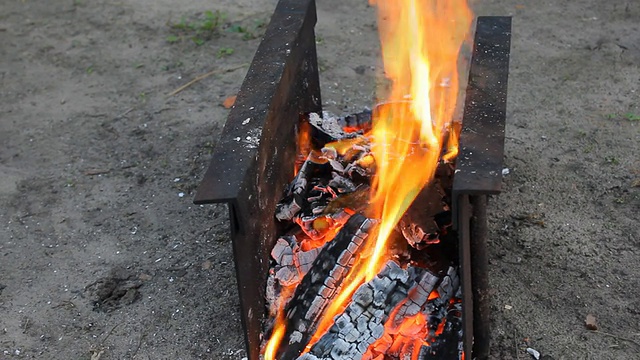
329	128
362	322
294	198
420	318
449	343
317	287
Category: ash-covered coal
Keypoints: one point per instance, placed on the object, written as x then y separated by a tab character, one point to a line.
322	282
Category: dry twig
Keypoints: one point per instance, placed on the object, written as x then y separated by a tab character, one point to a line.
617	337
204	76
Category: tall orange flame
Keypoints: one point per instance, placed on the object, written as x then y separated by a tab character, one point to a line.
421	41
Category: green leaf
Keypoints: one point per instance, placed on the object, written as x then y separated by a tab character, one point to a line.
224	52
237	29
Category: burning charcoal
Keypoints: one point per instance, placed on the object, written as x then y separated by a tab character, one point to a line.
418	296
419	318
363	320
354	150
321	282
360	122
324	130
358	174
319	224
291	264
449	343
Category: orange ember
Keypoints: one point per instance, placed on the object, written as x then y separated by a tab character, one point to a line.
303	144
400	338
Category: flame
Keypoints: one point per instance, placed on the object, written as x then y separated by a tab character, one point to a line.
405	337
276	337
279	327
303	145
421	41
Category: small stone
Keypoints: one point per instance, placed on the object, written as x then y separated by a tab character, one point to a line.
590	322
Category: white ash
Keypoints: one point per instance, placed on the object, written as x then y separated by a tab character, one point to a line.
252	140
329	124
291	264
363	320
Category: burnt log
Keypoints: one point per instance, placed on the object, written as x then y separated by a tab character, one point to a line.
363	321
296	194
429	216
321	283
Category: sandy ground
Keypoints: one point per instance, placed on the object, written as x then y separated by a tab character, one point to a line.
103	255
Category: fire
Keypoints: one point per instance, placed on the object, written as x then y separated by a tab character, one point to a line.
279	327
421	41
303	145
404	337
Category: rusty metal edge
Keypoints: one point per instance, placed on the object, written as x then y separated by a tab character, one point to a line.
233	155
479	173
479	162
480	277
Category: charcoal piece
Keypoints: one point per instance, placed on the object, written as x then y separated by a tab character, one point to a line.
329	128
362	322
296	194
291	264
418	295
342	184
418	224
359	122
308	223
311	296
329	153
287	209
449	343
359	153
356	201
431	297
444	176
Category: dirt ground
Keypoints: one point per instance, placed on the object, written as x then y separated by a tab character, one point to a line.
103	256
